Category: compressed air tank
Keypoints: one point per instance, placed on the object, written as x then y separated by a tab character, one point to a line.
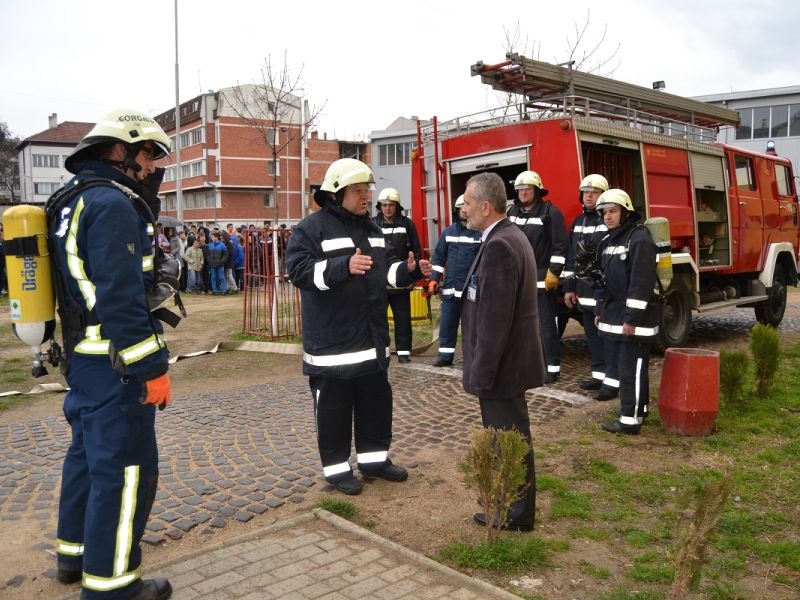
659	231
30	287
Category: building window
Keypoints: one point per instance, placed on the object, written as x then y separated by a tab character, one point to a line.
745	129
173	146
267	199
197	168
357	151
197	135
45	187
185	137
794	120
273	168
272	136
186	171
761	122
395	154
745	177
46	160
780	124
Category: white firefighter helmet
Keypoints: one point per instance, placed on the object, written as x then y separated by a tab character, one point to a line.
389	195
616	196
527	179
123	125
594	182
344	172
459	201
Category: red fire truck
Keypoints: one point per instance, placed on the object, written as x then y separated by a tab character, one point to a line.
732	213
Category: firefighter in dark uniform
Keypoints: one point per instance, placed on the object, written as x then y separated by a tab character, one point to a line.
401	238
543	224
452	258
339	260
584	237
102	235
626	314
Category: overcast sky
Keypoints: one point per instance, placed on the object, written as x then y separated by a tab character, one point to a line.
371	61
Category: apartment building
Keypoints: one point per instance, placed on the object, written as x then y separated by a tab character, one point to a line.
238	166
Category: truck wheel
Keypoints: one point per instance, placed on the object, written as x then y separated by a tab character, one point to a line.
770	311
676	317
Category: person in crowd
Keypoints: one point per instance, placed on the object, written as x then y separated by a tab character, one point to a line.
238	261
584	237
225	238
502	343
177	245
204	241
217	257
452	258
627	315
194	268
542	222
401	238
115	360
338	259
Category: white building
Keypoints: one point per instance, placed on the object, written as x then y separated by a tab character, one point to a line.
391	158
771	114
41	159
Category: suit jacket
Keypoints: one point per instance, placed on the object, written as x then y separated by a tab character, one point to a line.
502	345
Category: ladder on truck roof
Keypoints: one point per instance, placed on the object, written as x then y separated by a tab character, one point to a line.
553	91
542	82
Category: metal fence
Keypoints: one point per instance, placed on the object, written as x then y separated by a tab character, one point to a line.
271	303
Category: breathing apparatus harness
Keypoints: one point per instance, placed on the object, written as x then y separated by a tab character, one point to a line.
166	279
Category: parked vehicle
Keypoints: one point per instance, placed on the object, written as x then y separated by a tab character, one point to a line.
732	213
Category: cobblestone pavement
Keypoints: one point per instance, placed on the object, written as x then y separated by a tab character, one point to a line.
240	453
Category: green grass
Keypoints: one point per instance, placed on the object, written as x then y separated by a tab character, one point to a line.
508	555
343	508
593	570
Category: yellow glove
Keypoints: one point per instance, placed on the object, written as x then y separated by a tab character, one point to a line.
550	281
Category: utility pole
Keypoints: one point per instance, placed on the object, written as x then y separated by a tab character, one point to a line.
178	190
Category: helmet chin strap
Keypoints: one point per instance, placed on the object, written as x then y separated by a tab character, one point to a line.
129	162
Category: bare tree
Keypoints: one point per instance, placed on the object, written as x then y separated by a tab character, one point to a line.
9	168
585	53
272	107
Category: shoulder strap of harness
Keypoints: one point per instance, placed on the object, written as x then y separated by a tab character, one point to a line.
628	245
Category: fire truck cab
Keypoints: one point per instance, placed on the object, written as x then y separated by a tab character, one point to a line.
732	213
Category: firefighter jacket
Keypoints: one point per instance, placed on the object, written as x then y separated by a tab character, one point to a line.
104	249
345	324
546	230
401	237
587	230
628	261
453	257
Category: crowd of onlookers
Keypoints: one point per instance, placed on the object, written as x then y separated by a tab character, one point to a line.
214	259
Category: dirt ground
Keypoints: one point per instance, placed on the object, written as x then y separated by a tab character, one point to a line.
429	511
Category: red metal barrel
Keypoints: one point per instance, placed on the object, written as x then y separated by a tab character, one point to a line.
688	398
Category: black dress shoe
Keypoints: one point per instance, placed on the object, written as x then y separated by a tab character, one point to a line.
68	573
590	384
606	393
404	359
389	472
348	485
550	378
511	525
618	427
152	589
440	362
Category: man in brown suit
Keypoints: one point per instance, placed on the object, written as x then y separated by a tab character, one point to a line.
503	353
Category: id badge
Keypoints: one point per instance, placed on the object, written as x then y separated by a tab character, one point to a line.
472	288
